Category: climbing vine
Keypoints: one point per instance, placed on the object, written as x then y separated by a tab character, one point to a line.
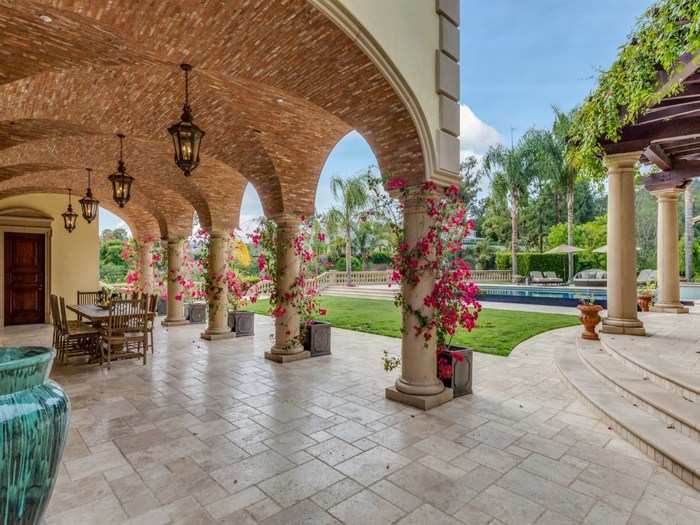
668	32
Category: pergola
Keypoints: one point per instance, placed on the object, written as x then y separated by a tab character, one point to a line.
666	136
275	86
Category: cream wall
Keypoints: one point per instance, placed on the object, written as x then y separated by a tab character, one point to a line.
403	37
74	256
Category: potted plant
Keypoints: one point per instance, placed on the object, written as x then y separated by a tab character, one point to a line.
590	317
240	321
314	335
645	295
437	255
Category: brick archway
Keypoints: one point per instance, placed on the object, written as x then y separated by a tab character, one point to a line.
276	85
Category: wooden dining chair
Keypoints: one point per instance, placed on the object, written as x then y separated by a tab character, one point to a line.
89	298
151	320
75	338
124	334
56	323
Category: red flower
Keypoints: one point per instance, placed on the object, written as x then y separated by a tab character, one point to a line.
395	184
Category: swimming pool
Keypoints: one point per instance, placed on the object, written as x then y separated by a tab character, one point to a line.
561	295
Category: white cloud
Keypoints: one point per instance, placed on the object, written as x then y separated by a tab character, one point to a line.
475	135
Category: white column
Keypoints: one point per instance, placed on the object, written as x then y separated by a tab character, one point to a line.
217	296
668	293
622	247
418	385
176	308
287	346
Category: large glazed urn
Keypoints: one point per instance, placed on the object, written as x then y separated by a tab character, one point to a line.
34	413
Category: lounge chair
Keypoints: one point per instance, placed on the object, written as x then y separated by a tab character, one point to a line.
592	277
538	278
553	278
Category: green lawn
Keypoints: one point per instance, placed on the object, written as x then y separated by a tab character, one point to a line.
497	331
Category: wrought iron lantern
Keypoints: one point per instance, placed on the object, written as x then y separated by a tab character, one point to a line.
187	137
70	218
121	182
89	204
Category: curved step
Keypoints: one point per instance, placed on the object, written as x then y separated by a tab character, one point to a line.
676	411
675	452
661	372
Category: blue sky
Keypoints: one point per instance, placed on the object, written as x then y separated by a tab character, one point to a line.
519	57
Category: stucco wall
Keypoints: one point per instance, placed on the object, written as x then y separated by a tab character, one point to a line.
74	256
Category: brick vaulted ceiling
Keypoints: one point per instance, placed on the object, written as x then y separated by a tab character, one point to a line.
276	84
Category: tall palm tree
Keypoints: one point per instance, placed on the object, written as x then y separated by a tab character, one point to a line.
353	196
510	172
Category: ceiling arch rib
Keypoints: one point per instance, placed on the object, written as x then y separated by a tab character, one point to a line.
98	152
141	223
289	49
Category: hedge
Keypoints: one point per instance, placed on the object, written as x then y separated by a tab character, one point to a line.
356	264
534	262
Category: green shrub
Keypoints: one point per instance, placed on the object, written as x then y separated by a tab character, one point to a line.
534	262
356	264
379	258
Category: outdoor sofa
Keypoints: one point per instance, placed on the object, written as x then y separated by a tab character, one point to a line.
547	278
592	277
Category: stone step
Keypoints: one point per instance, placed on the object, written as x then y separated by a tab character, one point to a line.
677	412
646	363
677	453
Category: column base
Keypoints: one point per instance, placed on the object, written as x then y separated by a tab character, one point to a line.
279	357
418	401
174	322
669	308
214	335
623	326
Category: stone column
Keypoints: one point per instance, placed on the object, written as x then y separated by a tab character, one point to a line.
418	385
668	294
176	308
622	247
287	346
217	295
146	283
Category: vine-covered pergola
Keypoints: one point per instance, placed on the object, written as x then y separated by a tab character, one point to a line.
646	108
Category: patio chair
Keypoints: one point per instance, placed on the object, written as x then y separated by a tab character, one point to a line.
152	305
74	339
88	298
124	334
646	276
537	278
552	278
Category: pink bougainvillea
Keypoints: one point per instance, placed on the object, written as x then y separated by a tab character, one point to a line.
451	302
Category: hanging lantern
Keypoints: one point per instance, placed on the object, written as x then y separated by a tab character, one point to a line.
186	136
69	216
121	182
89	204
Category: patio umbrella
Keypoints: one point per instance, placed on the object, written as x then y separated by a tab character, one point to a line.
565	248
604	249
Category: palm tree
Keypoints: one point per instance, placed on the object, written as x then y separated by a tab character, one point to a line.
353	196
510	172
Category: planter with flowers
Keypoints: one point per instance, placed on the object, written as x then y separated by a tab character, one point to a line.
241	322
437	254
590	317
645	296
314	335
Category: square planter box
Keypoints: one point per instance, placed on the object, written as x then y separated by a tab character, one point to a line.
243	323
197	313
161	306
317	338
461	380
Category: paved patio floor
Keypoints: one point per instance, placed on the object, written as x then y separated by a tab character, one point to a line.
210	432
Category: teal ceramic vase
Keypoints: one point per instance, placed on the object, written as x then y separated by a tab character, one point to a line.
34	414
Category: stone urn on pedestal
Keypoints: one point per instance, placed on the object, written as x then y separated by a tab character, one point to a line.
590	317
34	413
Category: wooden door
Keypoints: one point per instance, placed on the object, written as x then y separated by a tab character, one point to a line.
24	278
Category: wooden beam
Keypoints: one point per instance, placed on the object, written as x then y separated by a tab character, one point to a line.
637	138
668	179
656	154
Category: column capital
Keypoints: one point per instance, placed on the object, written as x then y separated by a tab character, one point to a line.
621	161
667	193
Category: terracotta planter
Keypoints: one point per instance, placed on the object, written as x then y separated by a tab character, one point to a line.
644	302
590	317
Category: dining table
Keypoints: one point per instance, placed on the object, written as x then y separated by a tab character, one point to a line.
92	312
